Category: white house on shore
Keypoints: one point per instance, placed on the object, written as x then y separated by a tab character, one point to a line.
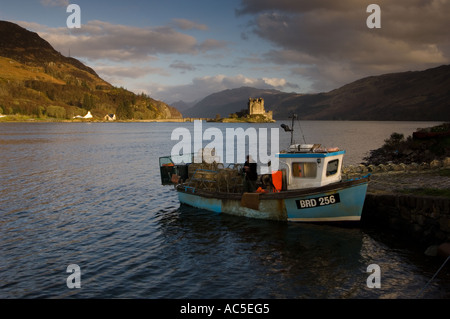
110	117
87	116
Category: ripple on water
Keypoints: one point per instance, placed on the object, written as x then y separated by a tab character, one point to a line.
90	195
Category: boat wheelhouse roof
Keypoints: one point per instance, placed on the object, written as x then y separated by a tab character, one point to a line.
309	151
309	155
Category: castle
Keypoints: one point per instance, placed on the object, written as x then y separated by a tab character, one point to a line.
256	107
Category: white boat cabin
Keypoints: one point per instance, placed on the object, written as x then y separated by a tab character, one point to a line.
308	165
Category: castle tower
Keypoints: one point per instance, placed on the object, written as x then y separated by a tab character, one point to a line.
256	107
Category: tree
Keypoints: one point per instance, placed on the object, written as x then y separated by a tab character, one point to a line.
56	111
88	102
124	111
394	141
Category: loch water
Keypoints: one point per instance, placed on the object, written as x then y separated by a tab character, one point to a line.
89	194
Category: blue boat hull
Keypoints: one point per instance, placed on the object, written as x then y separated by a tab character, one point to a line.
337	205
342	201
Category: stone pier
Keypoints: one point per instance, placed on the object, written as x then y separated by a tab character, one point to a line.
424	219
412	200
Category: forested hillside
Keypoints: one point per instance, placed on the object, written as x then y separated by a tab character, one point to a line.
36	80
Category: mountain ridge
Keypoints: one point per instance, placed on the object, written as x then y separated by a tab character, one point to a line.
38	81
39	51
409	96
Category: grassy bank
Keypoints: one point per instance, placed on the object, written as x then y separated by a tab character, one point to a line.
425	145
430	191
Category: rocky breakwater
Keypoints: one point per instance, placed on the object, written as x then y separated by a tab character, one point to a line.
409	191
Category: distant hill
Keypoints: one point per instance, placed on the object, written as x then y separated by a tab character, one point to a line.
232	101
38	81
419	95
182	106
405	96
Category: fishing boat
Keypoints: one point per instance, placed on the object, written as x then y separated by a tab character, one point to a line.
307	187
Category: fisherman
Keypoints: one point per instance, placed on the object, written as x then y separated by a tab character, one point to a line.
250	175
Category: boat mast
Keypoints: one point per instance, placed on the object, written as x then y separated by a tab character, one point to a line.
294	116
290	129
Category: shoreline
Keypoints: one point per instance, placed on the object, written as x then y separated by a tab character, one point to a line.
28	119
24	119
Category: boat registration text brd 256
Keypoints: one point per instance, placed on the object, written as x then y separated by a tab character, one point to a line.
318	201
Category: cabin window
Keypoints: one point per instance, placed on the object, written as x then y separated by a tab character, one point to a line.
304	170
332	167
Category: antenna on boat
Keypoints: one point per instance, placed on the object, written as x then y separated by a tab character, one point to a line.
303	135
289	129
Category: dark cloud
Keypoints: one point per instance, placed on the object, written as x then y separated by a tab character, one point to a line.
211	44
189	25
132	72
329	42
257	6
183	66
98	40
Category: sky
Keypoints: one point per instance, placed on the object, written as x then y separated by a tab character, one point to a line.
187	49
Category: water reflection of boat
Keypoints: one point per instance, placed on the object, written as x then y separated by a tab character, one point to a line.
308	187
